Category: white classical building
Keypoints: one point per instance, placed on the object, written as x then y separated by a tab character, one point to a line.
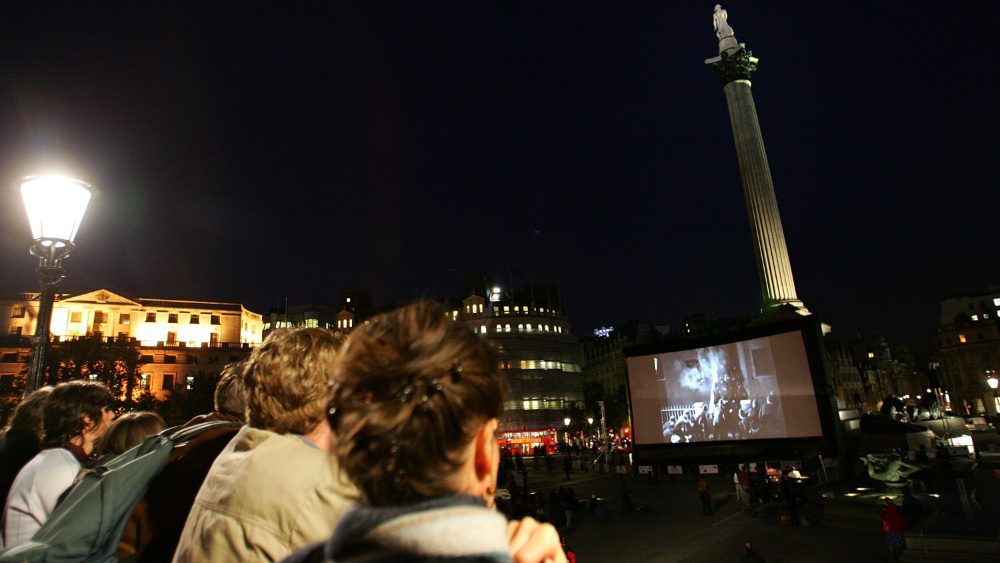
178	338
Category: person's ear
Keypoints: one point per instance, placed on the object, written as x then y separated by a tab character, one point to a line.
486	455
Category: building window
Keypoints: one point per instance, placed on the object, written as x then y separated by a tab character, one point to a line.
170	359
528	327
16	330
17	312
125	319
171	338
974	317
520	328
150	317
499	328
213	339
506	328
75	317
9	357
195	319
482	329
215	320
7	382
168	381
146	359
144	382
189	383
962	339
172	317
312	323
99	317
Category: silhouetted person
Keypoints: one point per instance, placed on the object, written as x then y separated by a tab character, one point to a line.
749	555
705	494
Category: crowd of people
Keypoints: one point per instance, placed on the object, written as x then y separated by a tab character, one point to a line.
729	414
379	446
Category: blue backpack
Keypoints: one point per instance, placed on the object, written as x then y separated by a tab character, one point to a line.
88	523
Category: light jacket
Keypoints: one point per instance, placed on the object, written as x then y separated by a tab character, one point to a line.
266	495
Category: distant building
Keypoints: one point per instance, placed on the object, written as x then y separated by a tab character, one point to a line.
603	361
866	371
177	338
539	356
968	340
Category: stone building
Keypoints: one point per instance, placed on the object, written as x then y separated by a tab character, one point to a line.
539	356
968	340
178	339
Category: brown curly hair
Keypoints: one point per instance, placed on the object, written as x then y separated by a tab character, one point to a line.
412	389
287	379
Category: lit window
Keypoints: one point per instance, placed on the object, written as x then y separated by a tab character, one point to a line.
961	338
74	317
506	328
350	323
520	328
871	354
506	309
17	311
974	317
528	327
144	381
482	329
517	308
125	319
312	323
499	328
190	382
986	315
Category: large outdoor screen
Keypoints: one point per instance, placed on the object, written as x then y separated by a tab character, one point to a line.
748	390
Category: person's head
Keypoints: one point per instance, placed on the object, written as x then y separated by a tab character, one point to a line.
287	380
129	431
231	392
414	408
747	546
28	413
77	412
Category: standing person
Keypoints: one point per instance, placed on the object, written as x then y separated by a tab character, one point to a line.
567	464
414	410
894	526
23	438
705	495
744	482
740	492
155	524
76	415
275	487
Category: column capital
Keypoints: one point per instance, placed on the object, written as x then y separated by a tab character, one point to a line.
735	65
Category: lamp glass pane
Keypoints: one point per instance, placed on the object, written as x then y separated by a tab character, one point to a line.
55	206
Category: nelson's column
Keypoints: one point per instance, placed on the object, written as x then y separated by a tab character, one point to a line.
734	65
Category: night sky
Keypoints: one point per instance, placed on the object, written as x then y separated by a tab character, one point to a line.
256	153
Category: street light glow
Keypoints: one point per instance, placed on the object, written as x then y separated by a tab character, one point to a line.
566	421
55	206
590	420
993	382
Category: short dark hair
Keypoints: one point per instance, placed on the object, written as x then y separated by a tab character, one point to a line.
65	407
231	392
411	389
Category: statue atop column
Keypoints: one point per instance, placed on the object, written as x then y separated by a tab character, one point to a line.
719	23
734	61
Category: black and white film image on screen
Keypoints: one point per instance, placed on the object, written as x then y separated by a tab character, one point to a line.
726	392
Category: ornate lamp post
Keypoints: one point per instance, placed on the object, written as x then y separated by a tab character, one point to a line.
55	206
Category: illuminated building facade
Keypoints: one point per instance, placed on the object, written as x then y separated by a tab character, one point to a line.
177	338
539	356
968	341
603	359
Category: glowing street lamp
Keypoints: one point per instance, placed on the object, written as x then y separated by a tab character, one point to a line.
55	206
566	421
590	420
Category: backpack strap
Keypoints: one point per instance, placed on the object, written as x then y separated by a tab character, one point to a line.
185	434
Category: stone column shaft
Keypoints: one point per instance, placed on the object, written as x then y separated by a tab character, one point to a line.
773	265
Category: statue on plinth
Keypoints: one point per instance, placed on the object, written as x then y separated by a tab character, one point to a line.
720	23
